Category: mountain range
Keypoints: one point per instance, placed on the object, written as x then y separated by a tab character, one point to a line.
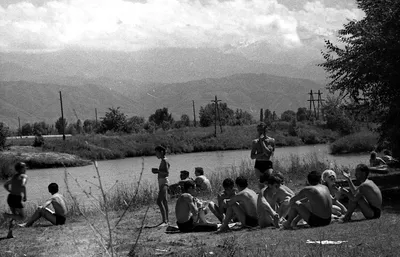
142	82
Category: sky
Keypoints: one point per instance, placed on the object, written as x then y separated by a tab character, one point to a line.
130	25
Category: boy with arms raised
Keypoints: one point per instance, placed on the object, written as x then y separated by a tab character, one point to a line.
243	205
188	213
163	173
313	204
16	187
367	196
273	201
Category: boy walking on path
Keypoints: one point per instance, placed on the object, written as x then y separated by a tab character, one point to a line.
163	173
313	204
367	196
16	187
56	217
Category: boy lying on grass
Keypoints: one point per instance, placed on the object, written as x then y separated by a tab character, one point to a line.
313	204
367	196
190	212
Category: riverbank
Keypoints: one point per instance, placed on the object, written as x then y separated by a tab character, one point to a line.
89	235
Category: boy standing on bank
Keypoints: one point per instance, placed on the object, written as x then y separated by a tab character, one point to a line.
163	173
16	187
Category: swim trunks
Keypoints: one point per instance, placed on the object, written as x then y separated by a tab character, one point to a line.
189	226
60	220
251	221
263	166
15	201
316	221
377	212
162	182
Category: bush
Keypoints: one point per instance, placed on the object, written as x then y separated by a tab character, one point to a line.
355	143
3	135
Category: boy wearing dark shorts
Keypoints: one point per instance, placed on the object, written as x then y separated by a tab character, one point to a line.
16	187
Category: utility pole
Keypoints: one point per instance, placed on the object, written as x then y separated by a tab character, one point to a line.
194	115
62	117
312	103
95	111
19	128
219	118
215	125
320	103
261	115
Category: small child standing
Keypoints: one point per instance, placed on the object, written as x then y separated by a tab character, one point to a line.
163	173
16	187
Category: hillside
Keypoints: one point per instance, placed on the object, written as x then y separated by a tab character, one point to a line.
34	102
37	101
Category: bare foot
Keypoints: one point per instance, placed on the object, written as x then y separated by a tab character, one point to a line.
276	221
286	225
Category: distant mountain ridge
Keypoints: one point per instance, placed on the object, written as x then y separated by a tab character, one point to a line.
250	91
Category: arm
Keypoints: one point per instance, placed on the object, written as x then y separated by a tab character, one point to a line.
353	188
190	200
266	204
300	196
254	154
341	206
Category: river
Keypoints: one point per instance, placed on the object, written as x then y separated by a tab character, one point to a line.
127	171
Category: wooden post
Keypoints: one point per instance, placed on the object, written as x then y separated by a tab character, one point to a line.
194	115
215	125
19	128
261	115
62	117
95	111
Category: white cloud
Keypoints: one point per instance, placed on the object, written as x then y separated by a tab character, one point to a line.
125	25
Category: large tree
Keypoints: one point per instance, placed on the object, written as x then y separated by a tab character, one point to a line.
365	65
114	120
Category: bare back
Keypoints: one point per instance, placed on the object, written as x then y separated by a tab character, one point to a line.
371	192
283	193
183	208
247	199
320	200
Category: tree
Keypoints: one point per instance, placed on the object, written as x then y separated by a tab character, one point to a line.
268	117
242	118
59	125
78	126
207	115
3	134
185	120
89	125
135	124
160	116
365	66
336	117
26	129
114	120
302	114
41	128
288	115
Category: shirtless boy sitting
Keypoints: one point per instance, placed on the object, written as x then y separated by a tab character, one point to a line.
187	211
274	201
243	205
220	208
367	196
313	204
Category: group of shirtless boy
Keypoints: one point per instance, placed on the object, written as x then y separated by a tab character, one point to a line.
276	204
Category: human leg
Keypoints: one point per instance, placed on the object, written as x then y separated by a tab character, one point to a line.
297	212
162	202
214	208
42	212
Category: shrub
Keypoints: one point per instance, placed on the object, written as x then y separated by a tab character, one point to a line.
355	143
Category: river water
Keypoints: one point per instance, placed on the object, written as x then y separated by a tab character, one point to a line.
127	171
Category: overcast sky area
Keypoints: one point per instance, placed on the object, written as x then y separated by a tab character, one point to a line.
129	25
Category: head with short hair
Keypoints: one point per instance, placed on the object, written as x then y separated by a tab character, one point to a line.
275	179
184	174
362	171
187	185
261	127
264	177
241	182
198	171
314	177
373	155
20	167
160	149
228	183
53	188
328	175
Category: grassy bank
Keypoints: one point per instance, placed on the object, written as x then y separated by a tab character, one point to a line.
87	236
364	141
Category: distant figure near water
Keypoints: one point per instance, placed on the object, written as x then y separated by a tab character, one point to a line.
262	150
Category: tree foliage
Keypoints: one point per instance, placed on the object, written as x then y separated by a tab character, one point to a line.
288	115
161	116
3	134
59	125
114	120
365	64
